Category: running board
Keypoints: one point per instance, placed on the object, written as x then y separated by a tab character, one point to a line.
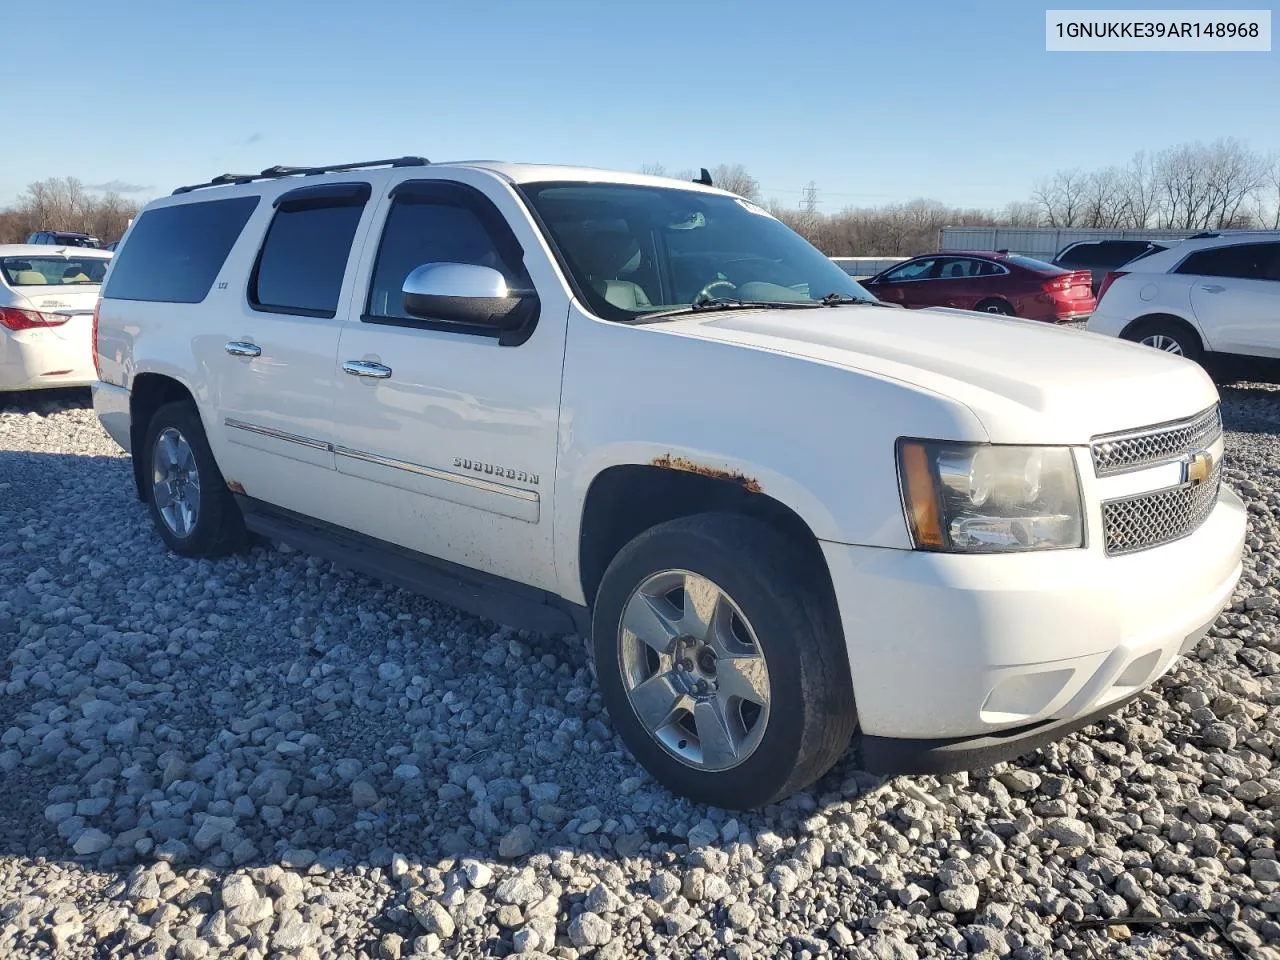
473	591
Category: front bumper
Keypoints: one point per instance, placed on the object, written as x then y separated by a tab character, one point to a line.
959	661
111	404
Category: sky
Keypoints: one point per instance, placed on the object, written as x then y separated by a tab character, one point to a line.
873	102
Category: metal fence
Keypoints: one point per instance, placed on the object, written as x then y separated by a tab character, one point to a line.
862	267
1039	242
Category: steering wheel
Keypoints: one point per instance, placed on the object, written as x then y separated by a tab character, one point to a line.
705	292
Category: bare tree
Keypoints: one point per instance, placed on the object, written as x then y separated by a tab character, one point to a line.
1061	198
735	179
65	204
1267	209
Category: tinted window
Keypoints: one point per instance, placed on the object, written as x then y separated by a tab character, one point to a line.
1080	255
1245	261
174	253
419	232
1030	263
962	267
915	270
304	258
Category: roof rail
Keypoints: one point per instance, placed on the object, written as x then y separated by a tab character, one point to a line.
274	173
1230	232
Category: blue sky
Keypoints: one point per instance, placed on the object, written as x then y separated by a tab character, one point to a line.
872	101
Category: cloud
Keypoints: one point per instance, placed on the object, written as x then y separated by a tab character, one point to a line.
119	186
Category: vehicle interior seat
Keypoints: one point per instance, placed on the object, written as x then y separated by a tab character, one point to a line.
607	257
75	275
30	278
954	270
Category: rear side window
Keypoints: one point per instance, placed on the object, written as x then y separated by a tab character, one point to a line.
1080	255
305	253
174	253
1243	261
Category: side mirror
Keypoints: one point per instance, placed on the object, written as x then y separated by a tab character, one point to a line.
467	293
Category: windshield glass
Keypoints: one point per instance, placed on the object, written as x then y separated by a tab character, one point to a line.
53	271
636	250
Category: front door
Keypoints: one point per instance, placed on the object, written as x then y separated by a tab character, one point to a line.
445	437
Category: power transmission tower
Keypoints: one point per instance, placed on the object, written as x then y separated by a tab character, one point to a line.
809	203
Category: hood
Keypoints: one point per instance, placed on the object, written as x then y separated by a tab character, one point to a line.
1026	381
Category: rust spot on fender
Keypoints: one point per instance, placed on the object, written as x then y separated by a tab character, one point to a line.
668	462
235	486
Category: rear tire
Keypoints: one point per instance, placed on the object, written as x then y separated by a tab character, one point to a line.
1168	335
997	306
194	512
742	712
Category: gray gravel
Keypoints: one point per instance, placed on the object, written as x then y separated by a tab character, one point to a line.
269	757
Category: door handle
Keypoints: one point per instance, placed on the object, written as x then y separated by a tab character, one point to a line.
1212	288
242	348
366	368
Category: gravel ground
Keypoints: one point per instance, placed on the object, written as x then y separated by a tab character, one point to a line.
265	756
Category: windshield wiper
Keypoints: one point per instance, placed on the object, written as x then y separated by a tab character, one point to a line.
732	303
840	299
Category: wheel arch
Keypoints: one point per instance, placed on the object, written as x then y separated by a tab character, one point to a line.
624	500
1159	317
148	392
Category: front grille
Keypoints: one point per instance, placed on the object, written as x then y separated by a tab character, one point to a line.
1152	519
1134	449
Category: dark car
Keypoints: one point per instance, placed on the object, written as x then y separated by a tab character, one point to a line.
1100	257
989	282
64	238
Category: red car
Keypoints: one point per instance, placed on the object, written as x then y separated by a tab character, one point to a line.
989	282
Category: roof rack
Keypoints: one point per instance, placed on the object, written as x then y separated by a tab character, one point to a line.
274	173
1228	232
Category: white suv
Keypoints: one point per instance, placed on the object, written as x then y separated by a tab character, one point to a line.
1213	298
646	411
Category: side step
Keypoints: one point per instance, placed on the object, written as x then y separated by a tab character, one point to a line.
476	592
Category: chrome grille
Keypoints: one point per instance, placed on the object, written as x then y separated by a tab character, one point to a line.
1134	449
1152	519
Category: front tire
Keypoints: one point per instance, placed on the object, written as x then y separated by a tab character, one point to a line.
194	512
722	662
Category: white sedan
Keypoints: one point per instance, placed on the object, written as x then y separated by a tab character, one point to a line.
47	295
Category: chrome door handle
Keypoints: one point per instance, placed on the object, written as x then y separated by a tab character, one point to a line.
242	348
366	368
1212	288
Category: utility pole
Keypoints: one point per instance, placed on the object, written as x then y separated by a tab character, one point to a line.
809	203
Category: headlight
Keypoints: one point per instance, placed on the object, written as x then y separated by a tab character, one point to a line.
979	498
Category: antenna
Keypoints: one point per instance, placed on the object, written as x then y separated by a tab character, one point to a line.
704	177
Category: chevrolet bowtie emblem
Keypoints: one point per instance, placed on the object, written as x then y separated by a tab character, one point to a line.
1197	468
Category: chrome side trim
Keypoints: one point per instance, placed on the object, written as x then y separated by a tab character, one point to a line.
530	496
477	483
278	434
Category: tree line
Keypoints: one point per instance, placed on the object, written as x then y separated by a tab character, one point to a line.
1194	186
64	203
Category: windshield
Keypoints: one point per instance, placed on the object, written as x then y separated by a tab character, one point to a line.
53	271
637	250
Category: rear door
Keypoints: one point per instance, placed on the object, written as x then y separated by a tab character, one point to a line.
275	352
1235	293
